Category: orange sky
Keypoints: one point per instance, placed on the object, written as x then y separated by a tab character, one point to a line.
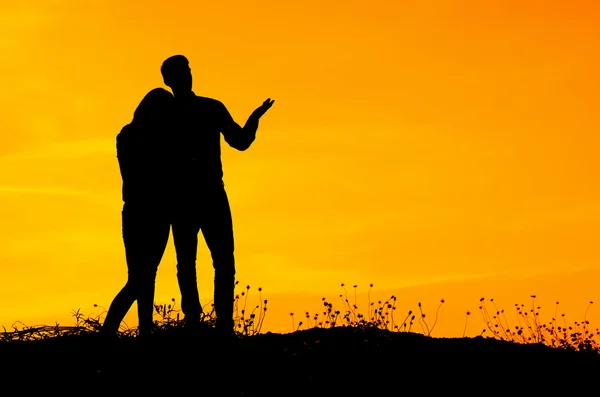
438	149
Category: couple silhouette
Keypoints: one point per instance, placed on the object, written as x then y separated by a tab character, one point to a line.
169	158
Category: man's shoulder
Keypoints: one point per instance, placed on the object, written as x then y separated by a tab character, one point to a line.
210	106
207	101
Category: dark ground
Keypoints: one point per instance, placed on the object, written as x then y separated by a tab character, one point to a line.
328	362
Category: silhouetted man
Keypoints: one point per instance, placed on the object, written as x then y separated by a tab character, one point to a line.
199	188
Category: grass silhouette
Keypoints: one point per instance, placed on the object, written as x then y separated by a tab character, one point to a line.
340	342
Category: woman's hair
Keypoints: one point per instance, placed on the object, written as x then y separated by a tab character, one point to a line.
152	105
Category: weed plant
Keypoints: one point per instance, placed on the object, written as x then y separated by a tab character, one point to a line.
528	326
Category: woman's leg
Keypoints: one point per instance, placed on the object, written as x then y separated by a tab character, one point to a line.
158	229
127	295
145	236
118	309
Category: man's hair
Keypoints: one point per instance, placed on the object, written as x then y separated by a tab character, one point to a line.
171	64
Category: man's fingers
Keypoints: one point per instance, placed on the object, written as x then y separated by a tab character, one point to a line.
266	105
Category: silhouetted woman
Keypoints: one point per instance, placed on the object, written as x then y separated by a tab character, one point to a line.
141	154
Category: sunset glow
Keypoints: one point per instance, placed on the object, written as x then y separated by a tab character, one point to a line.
437	149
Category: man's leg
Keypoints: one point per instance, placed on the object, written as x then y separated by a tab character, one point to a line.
185	237
217	228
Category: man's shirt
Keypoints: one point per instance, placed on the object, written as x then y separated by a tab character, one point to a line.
198	123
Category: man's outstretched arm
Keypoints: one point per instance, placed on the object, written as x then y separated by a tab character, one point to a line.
241	138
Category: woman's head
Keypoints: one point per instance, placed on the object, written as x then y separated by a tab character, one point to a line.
153	106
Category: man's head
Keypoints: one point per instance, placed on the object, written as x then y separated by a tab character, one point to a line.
177	74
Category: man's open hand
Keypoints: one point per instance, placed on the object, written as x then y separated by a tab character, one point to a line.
262	109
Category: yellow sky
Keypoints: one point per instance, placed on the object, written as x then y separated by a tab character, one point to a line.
438	149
